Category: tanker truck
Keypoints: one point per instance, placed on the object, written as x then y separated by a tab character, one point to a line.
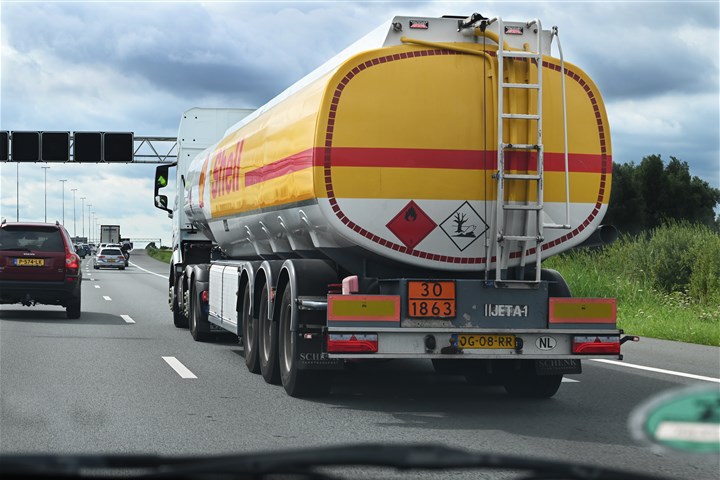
397	203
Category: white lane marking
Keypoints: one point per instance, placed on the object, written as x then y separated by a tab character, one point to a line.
658	370
569	380
107	298
127	318
97	286
181	369
147	271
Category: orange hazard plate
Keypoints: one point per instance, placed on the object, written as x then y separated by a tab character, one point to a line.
431	299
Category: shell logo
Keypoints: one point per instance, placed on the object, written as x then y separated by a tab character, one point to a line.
225	171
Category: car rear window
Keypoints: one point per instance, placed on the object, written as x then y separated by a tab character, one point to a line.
44	239
111	251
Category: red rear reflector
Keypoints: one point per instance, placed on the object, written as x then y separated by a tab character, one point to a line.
596	345
352	343
204	296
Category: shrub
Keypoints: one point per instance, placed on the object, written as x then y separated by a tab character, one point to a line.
705	277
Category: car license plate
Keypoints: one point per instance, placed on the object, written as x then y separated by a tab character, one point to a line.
476	341
431	299
30	262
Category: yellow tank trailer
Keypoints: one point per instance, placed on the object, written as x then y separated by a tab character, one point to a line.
397	203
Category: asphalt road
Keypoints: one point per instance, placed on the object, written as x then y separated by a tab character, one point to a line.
101	384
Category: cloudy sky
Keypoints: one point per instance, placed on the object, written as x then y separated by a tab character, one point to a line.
131	66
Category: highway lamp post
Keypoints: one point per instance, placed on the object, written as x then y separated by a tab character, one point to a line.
82	214
74	215
46	169
17	191
89	230
63	200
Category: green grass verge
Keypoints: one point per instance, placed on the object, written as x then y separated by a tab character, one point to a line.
666	285
161	254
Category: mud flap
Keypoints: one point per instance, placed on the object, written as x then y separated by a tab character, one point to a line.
557	367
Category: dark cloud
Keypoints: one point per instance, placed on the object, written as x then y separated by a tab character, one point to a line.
648	49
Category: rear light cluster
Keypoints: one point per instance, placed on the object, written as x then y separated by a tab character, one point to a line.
72	261
596	345
352	343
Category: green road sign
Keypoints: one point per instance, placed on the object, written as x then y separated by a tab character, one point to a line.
686	420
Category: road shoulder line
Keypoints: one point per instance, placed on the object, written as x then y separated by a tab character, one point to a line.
147	271
657	370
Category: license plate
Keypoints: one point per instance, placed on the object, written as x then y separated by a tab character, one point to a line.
431	299
30	262
476	341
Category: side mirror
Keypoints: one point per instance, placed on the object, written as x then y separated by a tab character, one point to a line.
161	181
161	202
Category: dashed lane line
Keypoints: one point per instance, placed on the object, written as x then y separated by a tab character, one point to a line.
147	271
569	380
127	318
107	298
658	370
179	368
97	286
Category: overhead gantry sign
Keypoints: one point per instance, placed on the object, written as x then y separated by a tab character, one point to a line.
85	147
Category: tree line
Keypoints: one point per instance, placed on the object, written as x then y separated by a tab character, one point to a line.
652	193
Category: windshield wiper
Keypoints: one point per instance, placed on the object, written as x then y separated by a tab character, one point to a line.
306	462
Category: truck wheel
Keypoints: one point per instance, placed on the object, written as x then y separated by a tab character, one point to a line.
558	287
249	334
527	384
199	326
72	311
267	342
179	320
297	383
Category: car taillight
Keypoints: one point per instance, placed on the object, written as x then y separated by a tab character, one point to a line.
72	261
352	343
101	256
597	345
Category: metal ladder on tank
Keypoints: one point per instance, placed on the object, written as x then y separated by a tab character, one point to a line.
532	234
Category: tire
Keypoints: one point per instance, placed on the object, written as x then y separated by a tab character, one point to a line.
199	326
297	383
527	384
72	311
267	342
249	334
558	287
96	267
121	268
179	320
